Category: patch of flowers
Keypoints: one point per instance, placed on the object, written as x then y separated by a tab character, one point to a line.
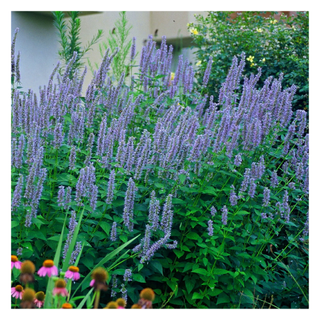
201	190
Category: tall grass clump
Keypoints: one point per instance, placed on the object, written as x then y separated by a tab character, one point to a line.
212	201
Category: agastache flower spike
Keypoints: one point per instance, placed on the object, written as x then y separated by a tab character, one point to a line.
154	209
274	179
16	199
123	290
94	197
224	217
58	136
252	188
146	240
167	215
245	182
133	49
237	160
155	247
13	45
266	197
129	204
114	285
207	73
75	253
213	211
72	226
68	198
210	228
233	197
113	234
127	275
61	202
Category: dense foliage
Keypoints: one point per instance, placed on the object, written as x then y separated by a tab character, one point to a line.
212	202
274	45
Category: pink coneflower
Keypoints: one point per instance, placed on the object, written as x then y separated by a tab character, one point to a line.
73	273
60	288
48	269
92	283
39	300
17	291
15	262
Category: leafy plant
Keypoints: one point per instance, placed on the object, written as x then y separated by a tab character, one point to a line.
274	45
69	34
219	195
118	40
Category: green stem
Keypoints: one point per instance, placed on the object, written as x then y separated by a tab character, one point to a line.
96	302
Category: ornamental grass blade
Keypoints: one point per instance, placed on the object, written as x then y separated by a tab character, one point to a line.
108	257
48	300
81	304
72	244
116	262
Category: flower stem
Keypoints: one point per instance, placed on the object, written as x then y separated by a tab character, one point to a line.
96	302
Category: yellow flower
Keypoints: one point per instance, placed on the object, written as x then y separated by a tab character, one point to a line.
273	21
250	58
188	25
252	64
259	30
172	76
264	60
198	63
194	31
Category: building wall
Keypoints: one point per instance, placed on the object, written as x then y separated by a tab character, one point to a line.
139	20
38	39
38	44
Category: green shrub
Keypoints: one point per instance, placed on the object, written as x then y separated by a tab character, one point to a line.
273	45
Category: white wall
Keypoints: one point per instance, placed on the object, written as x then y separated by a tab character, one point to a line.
37	42
38	38
139	20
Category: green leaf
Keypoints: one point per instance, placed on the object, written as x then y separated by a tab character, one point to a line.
190	283
157	265
178	253
182	178
138	277
193	236
223	298
14	224
220	271
215	292
37	222
178	201
201	271
197	295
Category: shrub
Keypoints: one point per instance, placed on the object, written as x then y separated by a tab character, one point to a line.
273	45
214	201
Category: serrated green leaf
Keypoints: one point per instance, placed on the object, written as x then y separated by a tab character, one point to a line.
138	277
223	298
220	271
201	271
196	295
